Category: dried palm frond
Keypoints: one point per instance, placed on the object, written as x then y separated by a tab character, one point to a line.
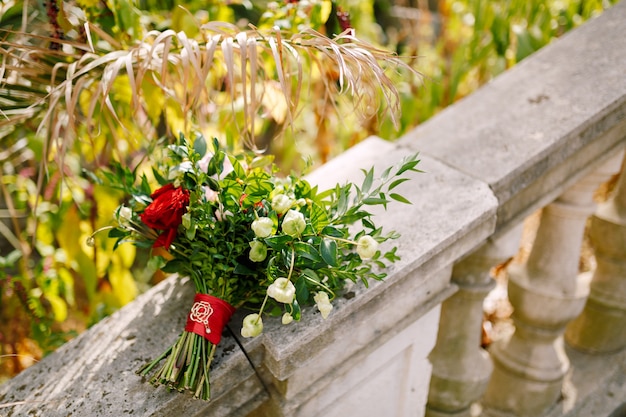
194	74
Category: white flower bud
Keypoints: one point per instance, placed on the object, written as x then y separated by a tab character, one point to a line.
366	247
258	251
282	290
293	223
262	227
252	325
124	216
323	303
281	203
287	318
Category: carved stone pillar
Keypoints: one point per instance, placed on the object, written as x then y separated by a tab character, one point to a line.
546	293
461	368
602	325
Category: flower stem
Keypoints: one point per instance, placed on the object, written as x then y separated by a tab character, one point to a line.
261	309
144	370
321	285
339	239
293	260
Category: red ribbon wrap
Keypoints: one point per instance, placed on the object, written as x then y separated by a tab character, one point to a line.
208	316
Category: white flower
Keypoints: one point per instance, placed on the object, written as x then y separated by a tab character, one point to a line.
287	318
258	251
262	227
177	171
366	247
252	325
124	216
293	223
323	303
281	203
203	163
221	215
210	195
282	290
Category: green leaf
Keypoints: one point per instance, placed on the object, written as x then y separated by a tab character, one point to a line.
242	269
326	193
156	262
353	217
318	217
328	250
114	233
238	169
191	232
143	243
160	179
142	199
174	265
371	201
307	251
342	203
302	290
408	166
385	174
367	182
278	242
216	164
399	198
367	223
396	183
332	231
262	161
145	185
296	312
180	151
199	145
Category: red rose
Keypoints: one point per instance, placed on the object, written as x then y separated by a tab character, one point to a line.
166	212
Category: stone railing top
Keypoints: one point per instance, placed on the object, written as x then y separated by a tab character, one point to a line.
487	160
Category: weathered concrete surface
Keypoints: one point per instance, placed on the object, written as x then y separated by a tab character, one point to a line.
94	374
542	125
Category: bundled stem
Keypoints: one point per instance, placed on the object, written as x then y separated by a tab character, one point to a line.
186	367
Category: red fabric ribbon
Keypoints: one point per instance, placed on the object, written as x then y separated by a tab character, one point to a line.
208	316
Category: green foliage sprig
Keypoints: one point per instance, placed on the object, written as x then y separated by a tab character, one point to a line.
250	238
308	235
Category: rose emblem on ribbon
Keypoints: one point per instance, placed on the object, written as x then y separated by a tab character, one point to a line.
200	313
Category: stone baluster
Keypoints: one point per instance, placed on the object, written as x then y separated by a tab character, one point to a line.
461	368
601	327
546	292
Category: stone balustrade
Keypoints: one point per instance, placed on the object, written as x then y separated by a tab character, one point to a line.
541	136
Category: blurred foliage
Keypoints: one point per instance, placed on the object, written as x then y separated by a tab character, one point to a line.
460	45
52	285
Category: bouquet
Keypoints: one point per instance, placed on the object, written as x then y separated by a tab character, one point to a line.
248	238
